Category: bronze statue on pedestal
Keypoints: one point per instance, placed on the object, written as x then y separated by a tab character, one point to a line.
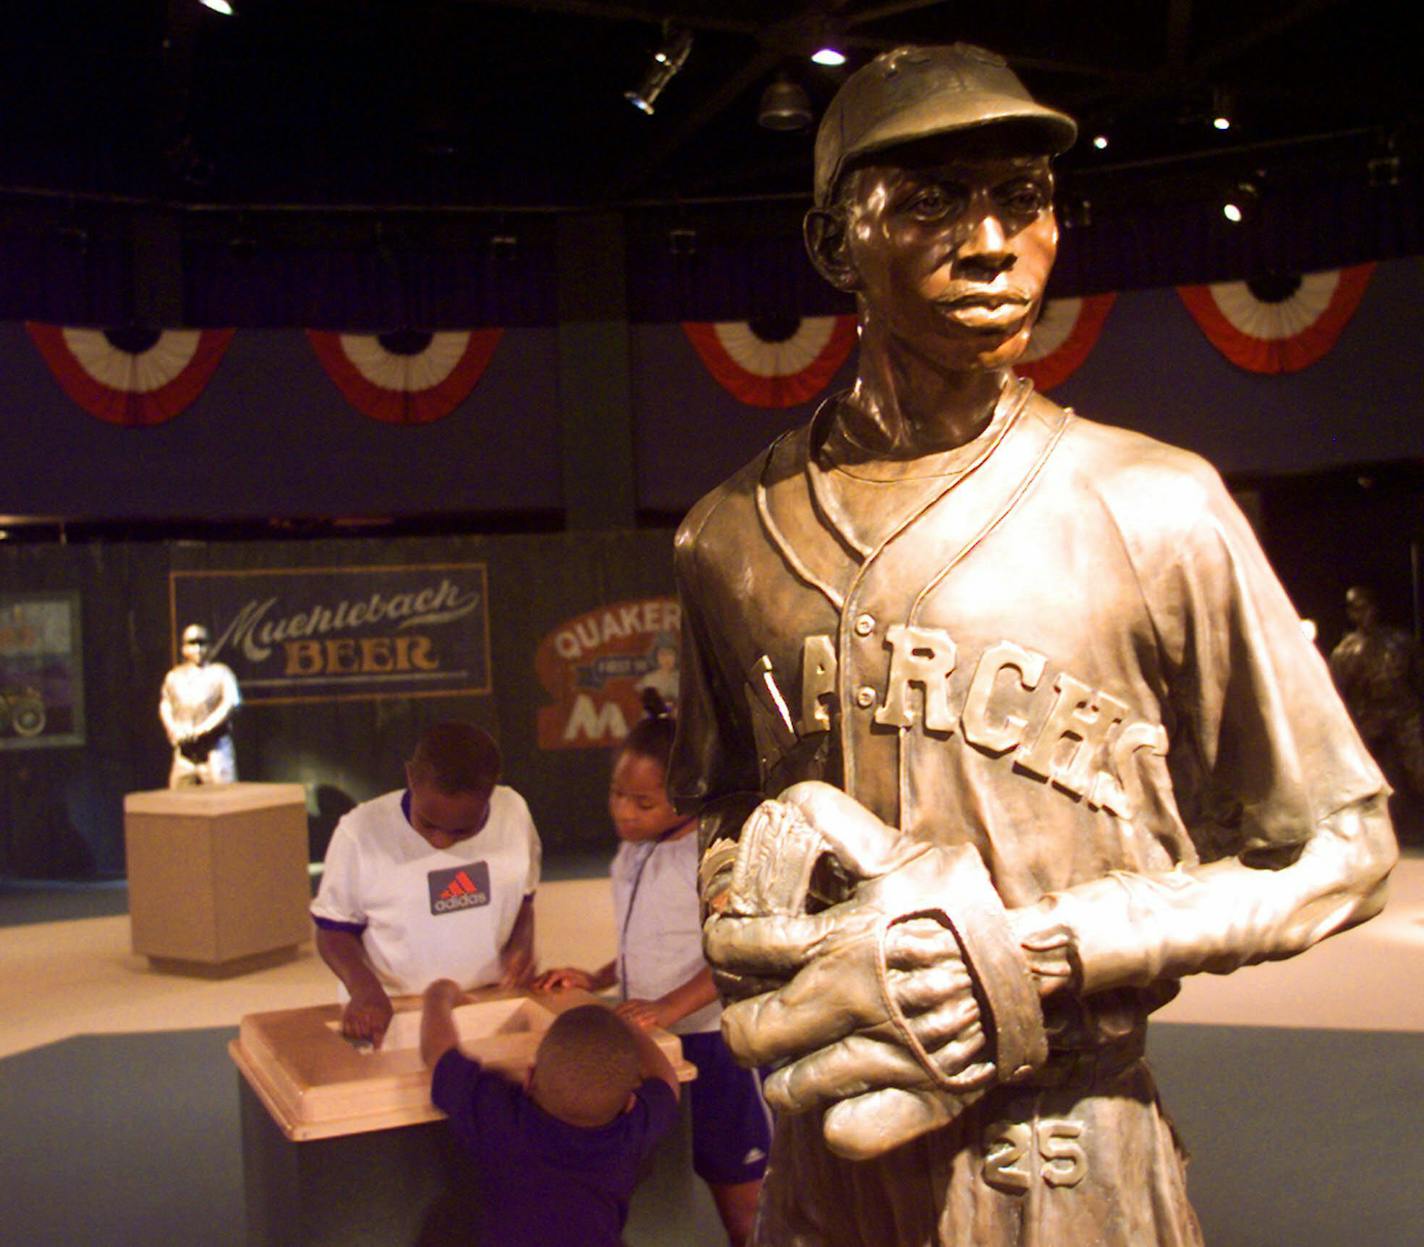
1378	671
1038	726
197	705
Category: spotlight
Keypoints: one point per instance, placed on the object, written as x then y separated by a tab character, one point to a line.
75	238
1240	202
1384	171
1100	141
829	55
1078	212
218	6
676	45
1223	104
667	60
1384	166
784	106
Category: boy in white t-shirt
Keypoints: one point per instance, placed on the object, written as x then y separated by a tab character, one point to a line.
430	883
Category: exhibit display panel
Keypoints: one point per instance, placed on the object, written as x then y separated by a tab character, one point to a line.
341	1143
217	874
317	1084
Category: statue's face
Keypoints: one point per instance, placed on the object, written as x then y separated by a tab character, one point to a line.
951	251
1360	608
195	646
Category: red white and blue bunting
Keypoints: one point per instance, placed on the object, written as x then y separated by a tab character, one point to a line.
129	377
1066	332
1277	325
773	369
406	377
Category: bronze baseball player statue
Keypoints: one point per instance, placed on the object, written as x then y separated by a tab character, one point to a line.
196	706
1377	668
1038	727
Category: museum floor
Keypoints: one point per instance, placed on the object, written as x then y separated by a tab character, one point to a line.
1295	1084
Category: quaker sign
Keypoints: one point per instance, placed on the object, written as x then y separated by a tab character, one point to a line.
338	633
596	665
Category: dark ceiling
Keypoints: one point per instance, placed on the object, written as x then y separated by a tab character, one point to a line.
346	163
521	104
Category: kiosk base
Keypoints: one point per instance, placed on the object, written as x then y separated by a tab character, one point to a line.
411	1186
343	1147
404	1187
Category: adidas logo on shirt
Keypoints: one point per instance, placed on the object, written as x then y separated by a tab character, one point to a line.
459	887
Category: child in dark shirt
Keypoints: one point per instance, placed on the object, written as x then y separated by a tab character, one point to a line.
559	1156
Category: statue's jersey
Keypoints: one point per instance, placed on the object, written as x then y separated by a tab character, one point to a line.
195	692
1073	656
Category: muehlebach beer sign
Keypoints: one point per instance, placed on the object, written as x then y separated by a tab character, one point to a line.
332	633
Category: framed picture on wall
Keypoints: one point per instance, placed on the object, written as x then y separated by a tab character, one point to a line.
41	670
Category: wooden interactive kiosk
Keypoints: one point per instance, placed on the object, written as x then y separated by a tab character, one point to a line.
341	1144
218	879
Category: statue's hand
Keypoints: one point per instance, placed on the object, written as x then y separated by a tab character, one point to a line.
878	1009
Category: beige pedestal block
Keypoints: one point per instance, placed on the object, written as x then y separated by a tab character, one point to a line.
318	1085
217	874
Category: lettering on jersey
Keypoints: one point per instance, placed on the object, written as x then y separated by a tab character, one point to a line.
818	683
459	887
920	658
1073	736
991	716
1050	1150
1064	732
1109	791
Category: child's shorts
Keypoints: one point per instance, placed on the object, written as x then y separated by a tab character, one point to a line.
731	1125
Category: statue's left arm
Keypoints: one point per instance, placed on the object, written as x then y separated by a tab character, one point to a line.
1283	801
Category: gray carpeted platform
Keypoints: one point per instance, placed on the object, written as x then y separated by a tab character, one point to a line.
1300	1139
124	1140
24	901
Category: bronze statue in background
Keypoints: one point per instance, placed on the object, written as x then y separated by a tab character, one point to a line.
197	705
1040	729
1378	671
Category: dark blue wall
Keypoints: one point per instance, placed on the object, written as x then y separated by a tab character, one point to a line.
272	436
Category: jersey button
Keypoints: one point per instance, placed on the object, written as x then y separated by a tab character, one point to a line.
865	697
864	625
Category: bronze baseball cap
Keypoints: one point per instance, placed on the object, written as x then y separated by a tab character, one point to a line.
913	93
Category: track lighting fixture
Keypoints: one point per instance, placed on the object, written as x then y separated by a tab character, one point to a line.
1223	108
1240	202
667	60
784	106
1384	166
